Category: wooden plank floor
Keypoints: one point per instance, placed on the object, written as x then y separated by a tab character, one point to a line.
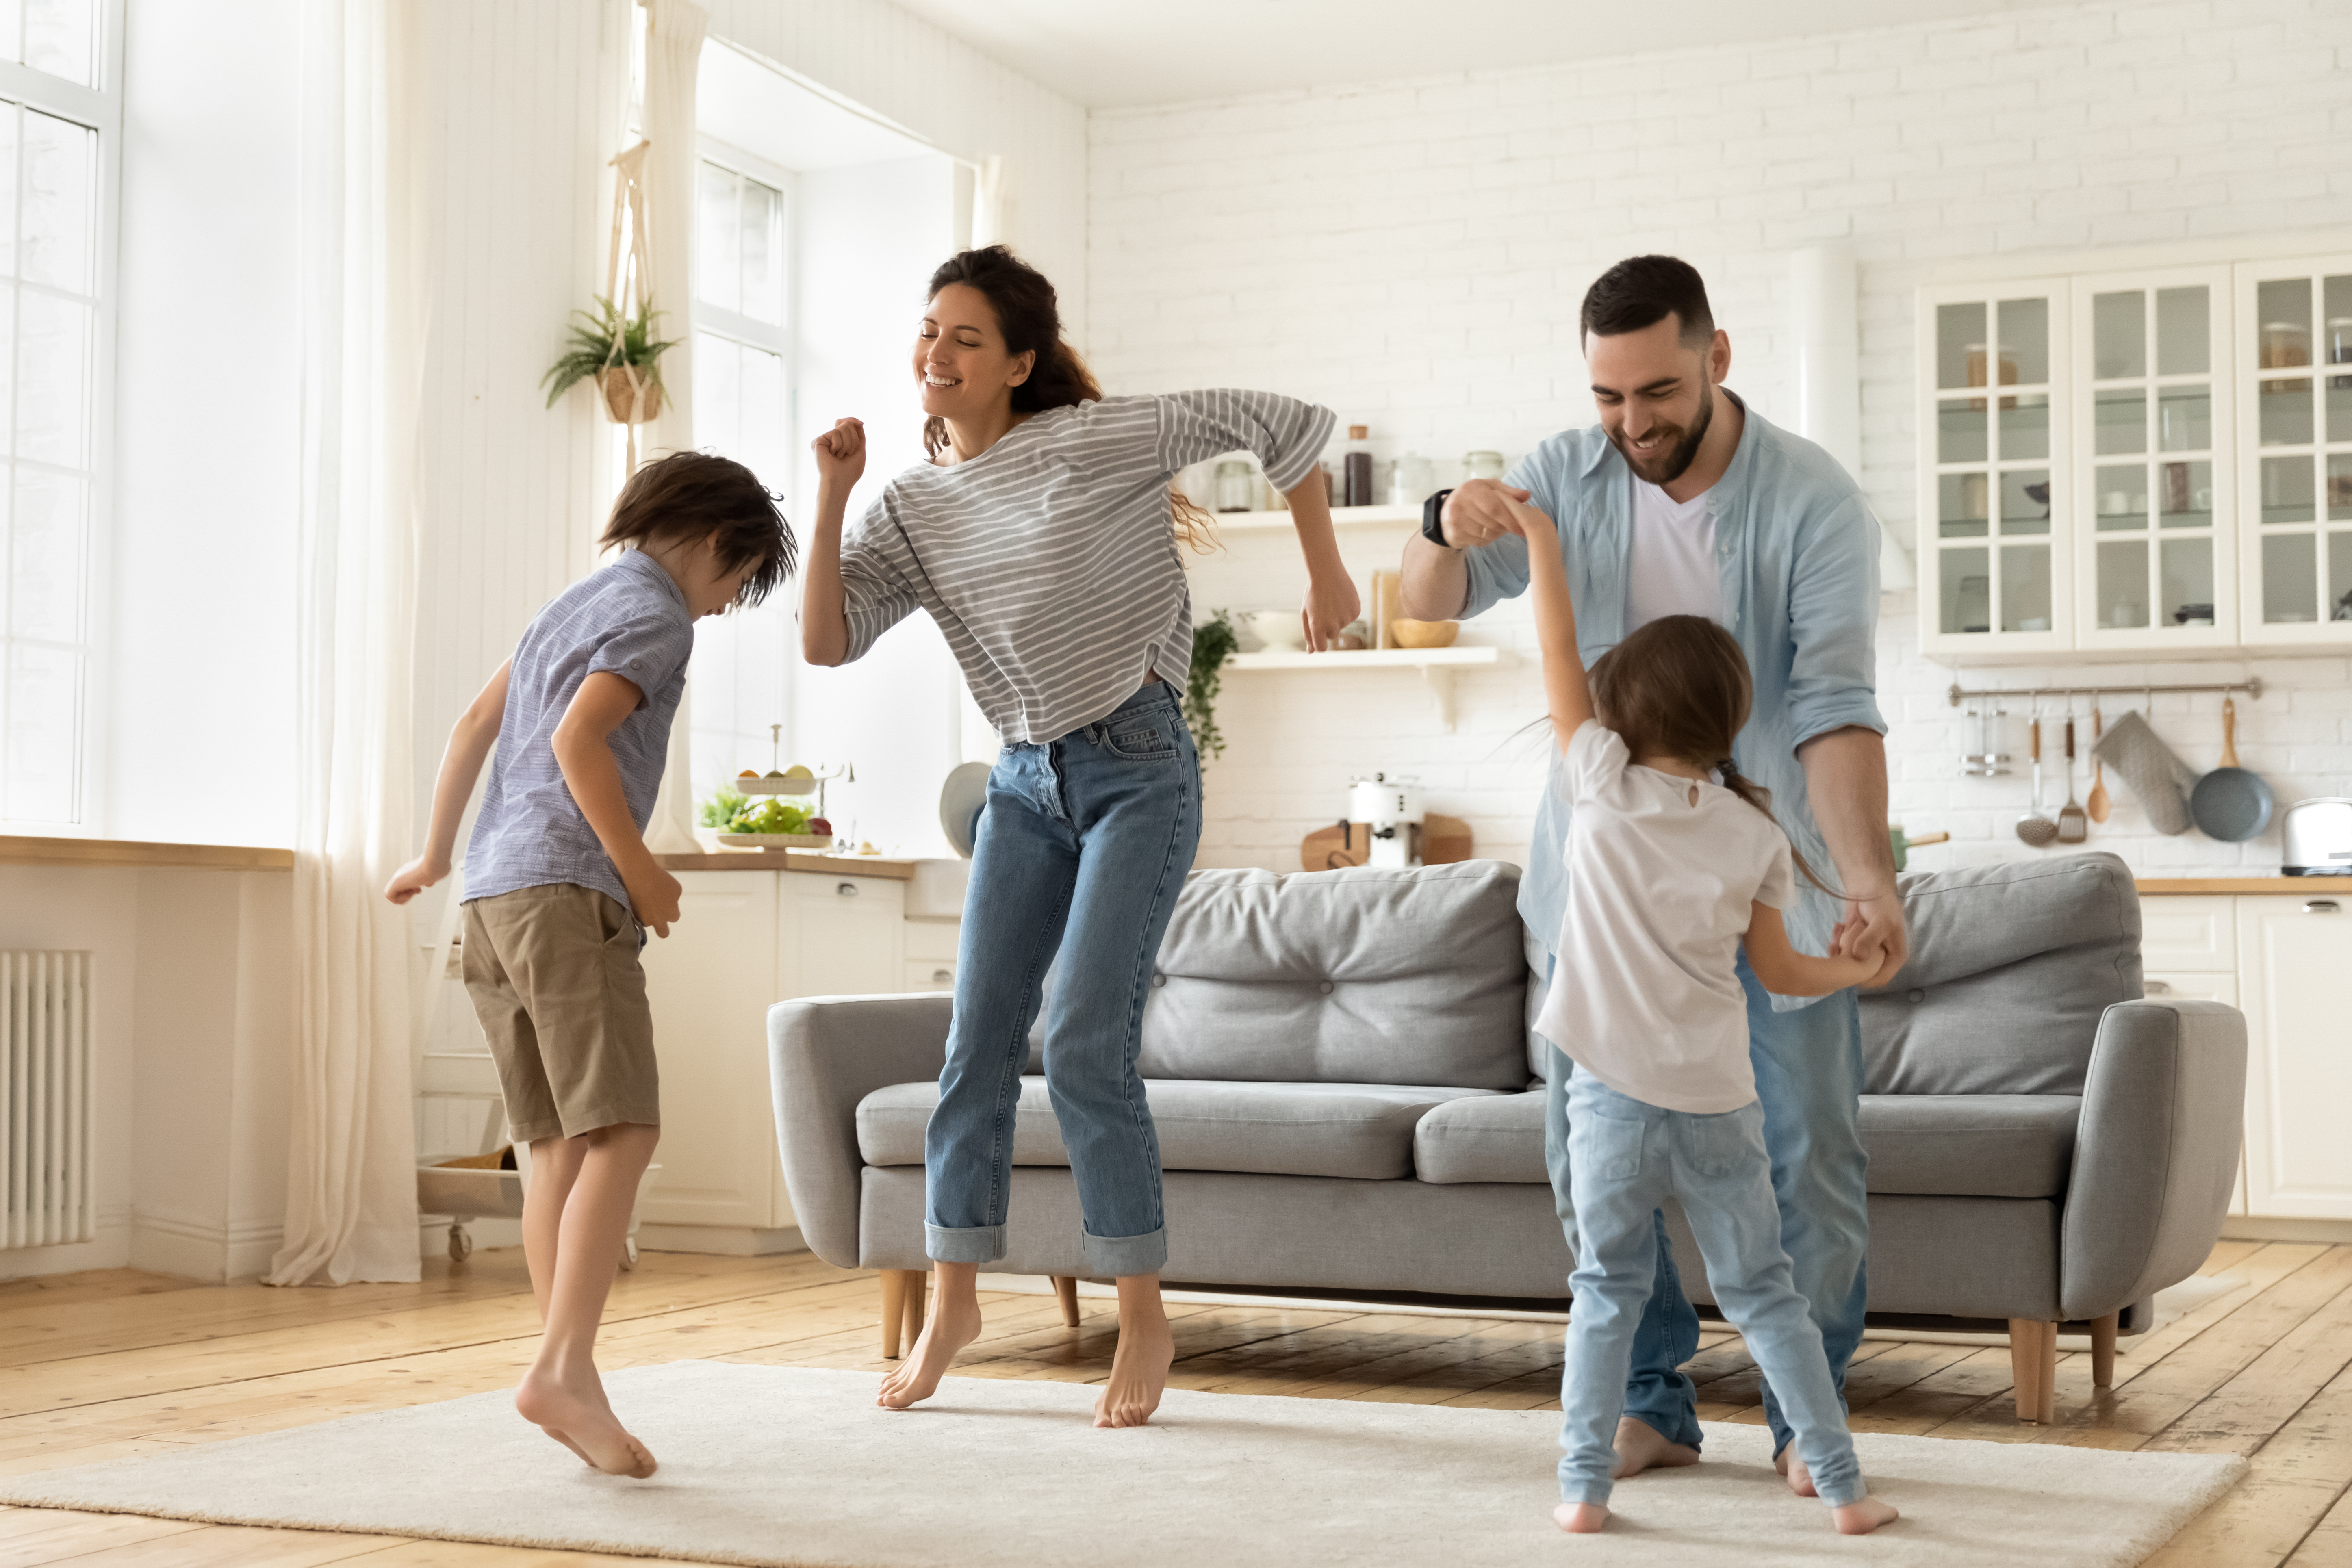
93	1367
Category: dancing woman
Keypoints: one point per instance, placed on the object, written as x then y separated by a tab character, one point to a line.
1043	538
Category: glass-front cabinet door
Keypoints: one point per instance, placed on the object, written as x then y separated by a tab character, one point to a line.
2155	553
1996	578
2293	356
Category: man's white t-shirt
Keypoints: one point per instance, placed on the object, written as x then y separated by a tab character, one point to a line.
1662	872
1671	570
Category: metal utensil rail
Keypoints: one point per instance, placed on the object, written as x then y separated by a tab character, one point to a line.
2252	686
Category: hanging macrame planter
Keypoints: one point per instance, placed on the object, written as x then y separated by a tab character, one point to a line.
615	344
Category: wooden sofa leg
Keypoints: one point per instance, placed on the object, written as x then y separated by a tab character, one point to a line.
894	1310
2103	1350
917	1284
2033	1368
1067	1288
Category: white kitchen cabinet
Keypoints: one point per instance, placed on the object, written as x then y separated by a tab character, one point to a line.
2189	933
2293	951
2293	365
745	941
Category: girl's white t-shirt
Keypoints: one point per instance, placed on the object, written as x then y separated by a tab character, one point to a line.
1662	872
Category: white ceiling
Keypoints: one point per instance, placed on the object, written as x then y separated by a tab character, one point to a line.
745	104
1113	53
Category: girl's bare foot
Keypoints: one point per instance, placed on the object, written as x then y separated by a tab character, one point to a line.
573	1410
1642	1446
1146	1347
1581	1518
1791	1466
955	1323
1863	1517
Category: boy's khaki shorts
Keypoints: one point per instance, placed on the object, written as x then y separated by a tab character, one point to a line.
554	975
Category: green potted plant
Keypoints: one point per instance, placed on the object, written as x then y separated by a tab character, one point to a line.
1213	641
623	354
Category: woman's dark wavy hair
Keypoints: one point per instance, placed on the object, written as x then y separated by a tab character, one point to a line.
1680	688
688	495
1029	315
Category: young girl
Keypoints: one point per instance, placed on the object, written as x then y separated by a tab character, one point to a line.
1042	538
1669	871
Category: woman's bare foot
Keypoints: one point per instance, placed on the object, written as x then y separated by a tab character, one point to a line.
1642	1446
1791	1466
1862	1518
573	1410
955	1323
1581	1518
1146	1347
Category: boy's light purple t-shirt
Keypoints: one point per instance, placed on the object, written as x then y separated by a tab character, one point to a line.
629	618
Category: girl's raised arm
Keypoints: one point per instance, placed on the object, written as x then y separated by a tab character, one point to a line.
1565	688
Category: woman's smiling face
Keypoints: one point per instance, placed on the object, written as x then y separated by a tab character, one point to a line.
960	361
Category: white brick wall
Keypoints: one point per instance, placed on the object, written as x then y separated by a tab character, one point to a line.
1414	253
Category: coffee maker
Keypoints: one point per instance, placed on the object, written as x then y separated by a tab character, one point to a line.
1390	810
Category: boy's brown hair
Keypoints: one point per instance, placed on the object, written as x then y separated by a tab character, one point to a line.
688	495
1680	688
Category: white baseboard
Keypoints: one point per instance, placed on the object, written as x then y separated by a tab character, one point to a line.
109	1249
726	1241
2242	1227
215	1252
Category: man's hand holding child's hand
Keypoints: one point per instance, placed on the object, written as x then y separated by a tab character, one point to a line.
1856	942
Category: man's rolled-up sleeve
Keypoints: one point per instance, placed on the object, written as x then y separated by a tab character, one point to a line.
1833	623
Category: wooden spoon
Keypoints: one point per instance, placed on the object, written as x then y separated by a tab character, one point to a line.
2098	805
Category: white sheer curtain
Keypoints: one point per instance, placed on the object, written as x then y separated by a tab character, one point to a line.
992	205
674	34
351	1211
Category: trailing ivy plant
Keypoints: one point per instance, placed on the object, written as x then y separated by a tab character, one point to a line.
606	340
1213	643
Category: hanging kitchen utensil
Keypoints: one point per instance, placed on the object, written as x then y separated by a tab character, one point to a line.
1903	844
2033	828
2073	827
2230	803
2158	780
2098	805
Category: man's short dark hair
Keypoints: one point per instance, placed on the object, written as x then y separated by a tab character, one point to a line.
688	495
1639	291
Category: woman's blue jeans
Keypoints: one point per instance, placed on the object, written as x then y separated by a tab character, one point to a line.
1081	851
1808	1065
1625	1157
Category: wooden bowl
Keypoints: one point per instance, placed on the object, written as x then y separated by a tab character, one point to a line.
1424	634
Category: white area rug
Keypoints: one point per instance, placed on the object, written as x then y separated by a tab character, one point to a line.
794	1467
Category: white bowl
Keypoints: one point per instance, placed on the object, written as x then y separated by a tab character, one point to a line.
1279	630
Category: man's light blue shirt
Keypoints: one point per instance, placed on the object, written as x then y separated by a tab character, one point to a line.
1797	550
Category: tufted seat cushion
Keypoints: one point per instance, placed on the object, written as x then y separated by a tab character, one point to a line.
1359	1130
1959	1145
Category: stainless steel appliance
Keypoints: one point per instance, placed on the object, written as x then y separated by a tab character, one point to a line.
2318	837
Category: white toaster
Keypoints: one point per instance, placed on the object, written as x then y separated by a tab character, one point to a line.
2318	837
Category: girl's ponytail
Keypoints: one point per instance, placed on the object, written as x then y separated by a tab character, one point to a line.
1757	795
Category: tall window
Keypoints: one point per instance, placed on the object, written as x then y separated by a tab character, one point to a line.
59	116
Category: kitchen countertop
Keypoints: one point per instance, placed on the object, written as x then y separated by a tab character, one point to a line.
2281	885
816	861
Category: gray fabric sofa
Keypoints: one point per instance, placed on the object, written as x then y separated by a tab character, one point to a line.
1347	1094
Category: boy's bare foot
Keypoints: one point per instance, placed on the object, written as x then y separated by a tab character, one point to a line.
574	1413
1791	1466
1862	1518
954	1324
1642	1446
1138	1368
1581	1518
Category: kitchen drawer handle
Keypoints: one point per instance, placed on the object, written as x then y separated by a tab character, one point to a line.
943	976
2158	989
846	890
2322	907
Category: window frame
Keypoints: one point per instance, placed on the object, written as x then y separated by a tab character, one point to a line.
100	109
781	340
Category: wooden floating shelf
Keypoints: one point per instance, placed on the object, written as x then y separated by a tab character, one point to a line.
1437	666
1341	517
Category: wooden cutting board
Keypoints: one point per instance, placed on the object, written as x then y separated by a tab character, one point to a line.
1444	841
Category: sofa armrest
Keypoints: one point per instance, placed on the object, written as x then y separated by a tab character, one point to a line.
826	1054
2156	1155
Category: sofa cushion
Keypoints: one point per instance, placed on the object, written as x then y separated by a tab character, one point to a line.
1959	1145
2010	967
1359	1130
1359	976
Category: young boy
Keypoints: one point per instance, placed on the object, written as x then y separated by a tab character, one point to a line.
560	889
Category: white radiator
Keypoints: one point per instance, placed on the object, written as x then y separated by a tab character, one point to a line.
46	1097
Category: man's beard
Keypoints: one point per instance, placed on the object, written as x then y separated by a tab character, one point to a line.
1678	458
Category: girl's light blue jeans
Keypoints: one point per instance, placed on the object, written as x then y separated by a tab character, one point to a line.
1625	1158
1081	851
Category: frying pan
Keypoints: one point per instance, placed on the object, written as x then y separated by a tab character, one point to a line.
2230	803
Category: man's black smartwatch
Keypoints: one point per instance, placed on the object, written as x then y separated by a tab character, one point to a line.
1432	520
